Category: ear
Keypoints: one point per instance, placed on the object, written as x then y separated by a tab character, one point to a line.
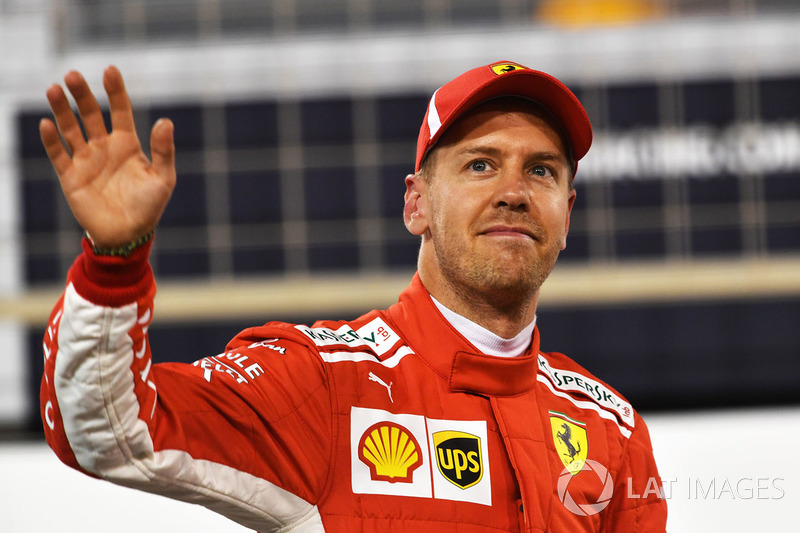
415	211
570	203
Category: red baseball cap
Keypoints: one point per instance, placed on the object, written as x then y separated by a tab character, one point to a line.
504	78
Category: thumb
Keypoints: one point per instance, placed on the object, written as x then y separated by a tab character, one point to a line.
162	147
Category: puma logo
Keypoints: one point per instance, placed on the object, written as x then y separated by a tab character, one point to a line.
379	381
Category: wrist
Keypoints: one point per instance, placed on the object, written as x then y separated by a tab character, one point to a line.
112	280
124	250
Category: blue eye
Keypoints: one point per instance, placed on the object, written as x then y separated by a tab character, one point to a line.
478	166
541	170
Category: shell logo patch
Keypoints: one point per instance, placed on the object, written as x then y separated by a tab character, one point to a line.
505	68
569	437
458	456
390	451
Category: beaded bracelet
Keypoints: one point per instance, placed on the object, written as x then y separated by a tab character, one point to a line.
122	251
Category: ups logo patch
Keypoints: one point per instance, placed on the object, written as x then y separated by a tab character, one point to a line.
459	457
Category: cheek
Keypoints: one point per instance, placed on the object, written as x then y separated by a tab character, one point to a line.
438	220
557	215
455	210
451	214
563	219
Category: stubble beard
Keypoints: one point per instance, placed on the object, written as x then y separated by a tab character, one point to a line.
505	280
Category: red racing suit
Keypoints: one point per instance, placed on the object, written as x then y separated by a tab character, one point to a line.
390	422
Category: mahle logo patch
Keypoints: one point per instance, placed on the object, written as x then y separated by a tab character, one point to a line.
459	457
390	451
505	68
572	444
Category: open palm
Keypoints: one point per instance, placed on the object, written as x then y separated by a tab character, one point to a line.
116	194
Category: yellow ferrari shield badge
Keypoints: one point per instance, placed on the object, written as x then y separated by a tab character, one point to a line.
505	68
569	436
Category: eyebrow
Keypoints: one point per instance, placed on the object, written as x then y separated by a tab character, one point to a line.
494	152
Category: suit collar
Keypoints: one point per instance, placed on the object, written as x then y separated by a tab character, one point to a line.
452	357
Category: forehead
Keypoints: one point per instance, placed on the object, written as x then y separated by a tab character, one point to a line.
521	108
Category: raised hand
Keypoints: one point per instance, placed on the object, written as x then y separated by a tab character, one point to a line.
116	194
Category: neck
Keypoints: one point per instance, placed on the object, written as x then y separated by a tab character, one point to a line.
483	339
504	313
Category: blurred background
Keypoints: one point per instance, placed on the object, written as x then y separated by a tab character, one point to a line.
296	122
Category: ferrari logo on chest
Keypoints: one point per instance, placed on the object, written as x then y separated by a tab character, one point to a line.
569	437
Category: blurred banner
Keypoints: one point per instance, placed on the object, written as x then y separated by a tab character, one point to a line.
596	12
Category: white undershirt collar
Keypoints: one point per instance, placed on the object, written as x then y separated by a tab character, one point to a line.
485	340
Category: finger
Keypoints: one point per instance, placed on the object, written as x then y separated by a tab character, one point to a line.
162	149
65	118
119	102
51	141
89	109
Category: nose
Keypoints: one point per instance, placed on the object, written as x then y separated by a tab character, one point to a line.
512	190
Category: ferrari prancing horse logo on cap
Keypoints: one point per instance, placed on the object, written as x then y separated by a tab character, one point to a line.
505	68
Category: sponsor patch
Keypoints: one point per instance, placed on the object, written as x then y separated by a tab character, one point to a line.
458	456
377	336
268	344
392	454
372	473
571	440
462	460
567	380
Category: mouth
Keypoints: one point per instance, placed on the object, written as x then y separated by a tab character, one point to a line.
515	232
